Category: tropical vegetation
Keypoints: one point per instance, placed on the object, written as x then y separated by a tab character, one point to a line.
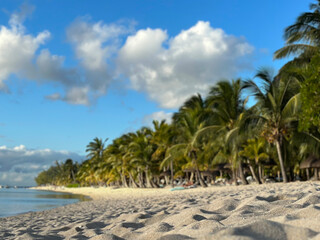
221	135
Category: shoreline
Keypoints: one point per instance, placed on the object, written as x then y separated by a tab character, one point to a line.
18	201
267	211
121	193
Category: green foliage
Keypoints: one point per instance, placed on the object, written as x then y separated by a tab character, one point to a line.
220	128
310	96
302	38
254	150
73	185
60	174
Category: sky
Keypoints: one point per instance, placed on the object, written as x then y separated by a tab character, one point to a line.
74	70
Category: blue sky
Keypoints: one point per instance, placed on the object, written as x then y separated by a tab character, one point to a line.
74	70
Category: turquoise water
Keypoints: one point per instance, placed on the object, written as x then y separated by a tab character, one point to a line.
16	201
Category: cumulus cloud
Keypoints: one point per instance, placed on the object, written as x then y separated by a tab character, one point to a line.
94	45
17	49
19	165
17	18
170	70
159	116
18	55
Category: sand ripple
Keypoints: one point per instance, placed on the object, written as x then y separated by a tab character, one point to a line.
272	211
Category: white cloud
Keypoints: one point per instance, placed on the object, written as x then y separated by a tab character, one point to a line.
89	42
193	61
17	18
17	51
18	56
78	95
159	116
20	165
54	97
168	69
94	45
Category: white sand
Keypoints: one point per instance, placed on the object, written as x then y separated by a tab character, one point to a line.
270	211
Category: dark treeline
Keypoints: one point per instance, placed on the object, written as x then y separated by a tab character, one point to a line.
220	136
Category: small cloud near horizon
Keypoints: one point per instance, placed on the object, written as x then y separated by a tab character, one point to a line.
20	165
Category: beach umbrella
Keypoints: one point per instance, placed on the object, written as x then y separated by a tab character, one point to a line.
311	162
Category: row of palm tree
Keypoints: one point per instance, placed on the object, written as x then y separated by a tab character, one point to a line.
261	140
60	174
203	133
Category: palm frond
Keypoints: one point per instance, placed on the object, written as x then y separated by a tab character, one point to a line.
294	49
292	106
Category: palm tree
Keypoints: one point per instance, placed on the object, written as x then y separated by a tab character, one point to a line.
71	169
91	170
302	38
118	157
163	136
96	147
87	174
277	104
228	106
141	150
192	122
253	150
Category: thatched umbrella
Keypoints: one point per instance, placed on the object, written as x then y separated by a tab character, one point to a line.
189	171
165	174
311	162
222	167
219	166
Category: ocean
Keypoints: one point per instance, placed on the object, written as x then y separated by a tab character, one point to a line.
14	201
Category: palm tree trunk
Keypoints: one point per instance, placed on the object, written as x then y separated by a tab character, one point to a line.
254	174
171	169
316	174
73	176
124	181
154	184
234	176
121	183
191	177
202	183
132	180
283	171
140	177
243	179
167	180
260	173
148	178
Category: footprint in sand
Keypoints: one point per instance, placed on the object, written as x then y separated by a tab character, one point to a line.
164	227
132	225
107	237
175	237
94	225
198	217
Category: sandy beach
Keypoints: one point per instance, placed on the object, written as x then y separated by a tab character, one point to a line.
269	211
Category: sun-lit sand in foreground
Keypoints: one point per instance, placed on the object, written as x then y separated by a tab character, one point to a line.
269	211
